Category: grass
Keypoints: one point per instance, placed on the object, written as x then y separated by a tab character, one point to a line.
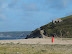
35	49
66	17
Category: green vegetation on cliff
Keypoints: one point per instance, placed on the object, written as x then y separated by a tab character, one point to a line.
57	29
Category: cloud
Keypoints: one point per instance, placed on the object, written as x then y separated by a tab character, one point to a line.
12	4
30	7
2	0
4	5
57	4
2	17
69	13
65	2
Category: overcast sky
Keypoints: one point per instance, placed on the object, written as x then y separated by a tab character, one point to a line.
27	15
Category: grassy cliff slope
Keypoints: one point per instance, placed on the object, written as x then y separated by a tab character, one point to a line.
60	29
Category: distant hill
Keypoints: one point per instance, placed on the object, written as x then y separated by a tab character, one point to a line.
57	29
14	35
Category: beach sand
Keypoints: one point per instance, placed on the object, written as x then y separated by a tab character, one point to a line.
38	41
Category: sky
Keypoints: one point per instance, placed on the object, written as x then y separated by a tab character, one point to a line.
27	15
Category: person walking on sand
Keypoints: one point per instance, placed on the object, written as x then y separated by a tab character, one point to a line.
52	39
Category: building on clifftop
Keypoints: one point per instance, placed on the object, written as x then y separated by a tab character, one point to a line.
57	20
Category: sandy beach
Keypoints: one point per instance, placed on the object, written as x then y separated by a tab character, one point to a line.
38	41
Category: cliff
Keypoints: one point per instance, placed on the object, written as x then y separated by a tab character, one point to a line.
61	27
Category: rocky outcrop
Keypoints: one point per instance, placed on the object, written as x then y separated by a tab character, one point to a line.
42	33
38	33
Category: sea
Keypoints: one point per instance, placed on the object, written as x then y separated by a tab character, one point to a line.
14	35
